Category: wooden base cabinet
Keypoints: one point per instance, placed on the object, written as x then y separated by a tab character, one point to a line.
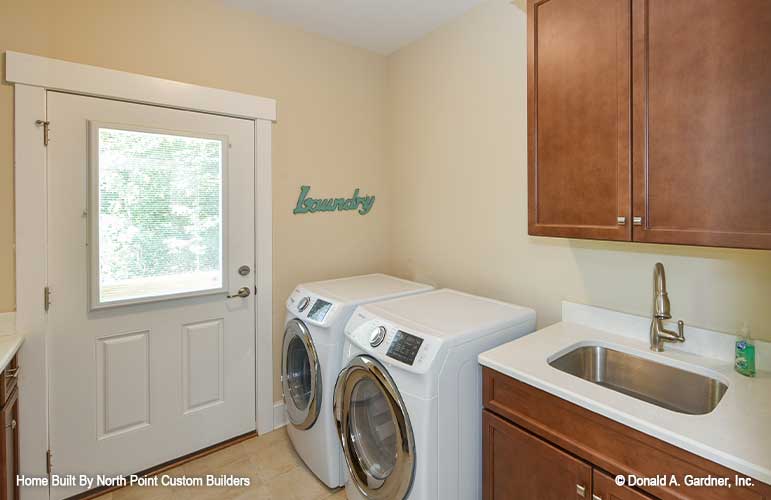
9	438
538	446
9	449
519	465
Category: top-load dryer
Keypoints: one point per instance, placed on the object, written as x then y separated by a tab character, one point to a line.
409	400
311	359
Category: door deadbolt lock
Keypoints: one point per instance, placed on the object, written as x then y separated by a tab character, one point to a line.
242	293
244	270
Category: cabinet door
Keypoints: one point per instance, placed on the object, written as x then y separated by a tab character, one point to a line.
702	122
605	488
520	466
9	449
579	104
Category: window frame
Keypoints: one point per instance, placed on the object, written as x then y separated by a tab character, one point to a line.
92	214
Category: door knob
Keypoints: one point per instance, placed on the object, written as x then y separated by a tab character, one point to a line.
242	293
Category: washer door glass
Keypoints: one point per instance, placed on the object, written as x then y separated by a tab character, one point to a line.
372	430
300	375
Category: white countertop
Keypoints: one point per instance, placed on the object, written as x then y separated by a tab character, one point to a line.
737	434
10	340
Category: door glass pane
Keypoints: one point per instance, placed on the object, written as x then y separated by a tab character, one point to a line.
160	214
298	373
373	431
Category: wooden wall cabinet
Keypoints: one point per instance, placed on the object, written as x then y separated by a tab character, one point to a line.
536	445
649	120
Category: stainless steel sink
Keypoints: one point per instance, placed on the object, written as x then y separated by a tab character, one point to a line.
656	383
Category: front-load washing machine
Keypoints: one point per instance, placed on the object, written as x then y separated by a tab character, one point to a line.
408	403
311	359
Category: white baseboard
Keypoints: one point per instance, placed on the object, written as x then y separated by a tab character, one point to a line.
279	415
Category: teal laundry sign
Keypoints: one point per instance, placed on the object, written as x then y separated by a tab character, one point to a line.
306	204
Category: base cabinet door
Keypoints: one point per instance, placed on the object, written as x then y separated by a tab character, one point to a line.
520	466
604	487
9	448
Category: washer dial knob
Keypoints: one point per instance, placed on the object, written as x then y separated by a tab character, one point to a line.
303	304
377	336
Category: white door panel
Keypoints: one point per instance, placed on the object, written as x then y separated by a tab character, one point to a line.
122	384
138	384
202	365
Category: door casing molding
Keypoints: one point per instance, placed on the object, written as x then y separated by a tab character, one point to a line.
32	76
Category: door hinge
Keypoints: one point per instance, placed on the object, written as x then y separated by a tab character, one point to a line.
46	130
46	298
49	461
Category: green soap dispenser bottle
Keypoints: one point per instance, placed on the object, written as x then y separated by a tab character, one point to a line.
745	353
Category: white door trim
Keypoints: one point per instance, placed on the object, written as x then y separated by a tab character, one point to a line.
55	74
32	76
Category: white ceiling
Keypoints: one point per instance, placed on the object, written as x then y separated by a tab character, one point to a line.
383	26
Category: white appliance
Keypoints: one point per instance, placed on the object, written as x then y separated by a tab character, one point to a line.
311	359
408	403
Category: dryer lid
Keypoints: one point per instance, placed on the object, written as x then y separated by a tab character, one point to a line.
362	289
450	315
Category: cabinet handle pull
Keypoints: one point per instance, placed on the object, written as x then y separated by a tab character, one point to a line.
595	497
621	220
580	490
637	221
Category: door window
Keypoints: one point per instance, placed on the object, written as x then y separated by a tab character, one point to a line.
158	219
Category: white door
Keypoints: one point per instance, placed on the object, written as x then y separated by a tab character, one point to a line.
150	220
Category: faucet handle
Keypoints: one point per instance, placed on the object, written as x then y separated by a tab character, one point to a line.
680	331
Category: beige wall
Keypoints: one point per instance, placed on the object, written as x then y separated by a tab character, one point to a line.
458	132
330	133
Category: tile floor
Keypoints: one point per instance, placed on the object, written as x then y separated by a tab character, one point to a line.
274	469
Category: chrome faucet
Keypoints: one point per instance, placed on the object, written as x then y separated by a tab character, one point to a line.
659	334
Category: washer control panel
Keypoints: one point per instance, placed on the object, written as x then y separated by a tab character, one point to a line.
377	336
319	310
391	343
305	304
404	347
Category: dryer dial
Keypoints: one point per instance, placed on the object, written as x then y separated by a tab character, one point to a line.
303	305
377	336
